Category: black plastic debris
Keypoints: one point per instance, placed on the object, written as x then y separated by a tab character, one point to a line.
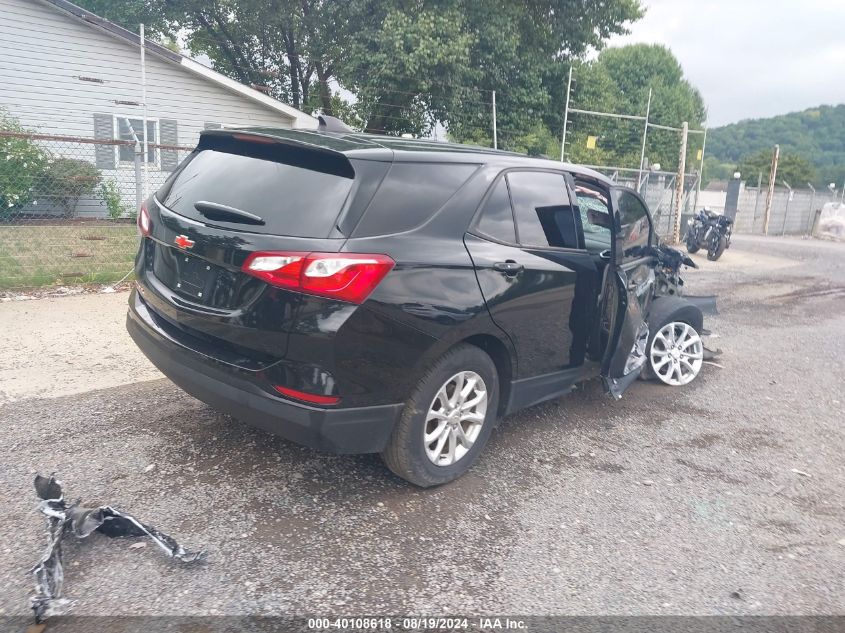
64	519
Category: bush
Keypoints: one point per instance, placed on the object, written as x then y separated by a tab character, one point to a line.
65	180
110	194
21	164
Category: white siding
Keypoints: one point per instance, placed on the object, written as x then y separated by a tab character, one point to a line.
43	52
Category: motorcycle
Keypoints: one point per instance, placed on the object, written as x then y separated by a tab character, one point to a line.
709	230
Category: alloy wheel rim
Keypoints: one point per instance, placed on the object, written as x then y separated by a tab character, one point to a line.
455	417
676	354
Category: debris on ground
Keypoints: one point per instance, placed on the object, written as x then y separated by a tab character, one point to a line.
64	518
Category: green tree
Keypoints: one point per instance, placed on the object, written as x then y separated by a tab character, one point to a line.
794	169
715	170
65	180
408	63
21	165
130	14
618	81
817	134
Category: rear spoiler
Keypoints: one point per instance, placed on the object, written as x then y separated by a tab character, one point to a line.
292	151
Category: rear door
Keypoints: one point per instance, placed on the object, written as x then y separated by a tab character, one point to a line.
534	274
628	290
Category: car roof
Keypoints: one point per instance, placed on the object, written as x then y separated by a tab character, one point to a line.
394	148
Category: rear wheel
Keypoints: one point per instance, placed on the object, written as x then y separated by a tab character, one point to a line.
447	420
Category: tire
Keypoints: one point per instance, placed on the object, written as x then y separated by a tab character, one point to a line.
688	365
715	252
668	310
407	453
692	246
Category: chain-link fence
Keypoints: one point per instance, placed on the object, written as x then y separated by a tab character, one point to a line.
68	206
658	190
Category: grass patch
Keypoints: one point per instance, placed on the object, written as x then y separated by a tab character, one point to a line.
33	256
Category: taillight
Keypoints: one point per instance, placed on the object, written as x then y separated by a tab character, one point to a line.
344	276
144	224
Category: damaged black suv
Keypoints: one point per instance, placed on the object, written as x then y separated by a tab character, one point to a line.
357	293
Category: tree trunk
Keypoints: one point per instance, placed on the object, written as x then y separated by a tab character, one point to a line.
293	70
323	76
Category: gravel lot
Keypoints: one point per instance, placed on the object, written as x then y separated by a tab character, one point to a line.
669	501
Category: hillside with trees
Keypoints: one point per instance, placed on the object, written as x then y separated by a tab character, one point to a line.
812	146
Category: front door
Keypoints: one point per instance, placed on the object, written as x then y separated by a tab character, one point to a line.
536	277
628	290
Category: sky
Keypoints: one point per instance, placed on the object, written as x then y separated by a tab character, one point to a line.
752	58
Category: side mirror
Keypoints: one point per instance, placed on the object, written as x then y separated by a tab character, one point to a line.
599	219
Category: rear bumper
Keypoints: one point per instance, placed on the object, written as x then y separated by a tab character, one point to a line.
234	391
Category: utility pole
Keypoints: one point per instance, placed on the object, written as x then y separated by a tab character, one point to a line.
645	137
566	114
771	193
679	184
146	125
495	133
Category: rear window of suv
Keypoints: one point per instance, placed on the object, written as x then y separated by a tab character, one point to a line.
296	192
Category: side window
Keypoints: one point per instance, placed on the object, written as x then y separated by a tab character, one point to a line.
410	194
635	221
544	215
592	202
497	216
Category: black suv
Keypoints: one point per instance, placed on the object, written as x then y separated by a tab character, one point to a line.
358	293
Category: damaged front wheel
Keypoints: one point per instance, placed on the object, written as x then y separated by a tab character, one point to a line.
676	354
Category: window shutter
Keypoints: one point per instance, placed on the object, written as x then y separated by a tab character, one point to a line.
169	135
104	129
213	126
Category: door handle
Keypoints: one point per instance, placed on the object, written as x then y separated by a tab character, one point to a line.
509	267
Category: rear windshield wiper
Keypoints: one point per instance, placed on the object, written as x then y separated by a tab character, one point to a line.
223	213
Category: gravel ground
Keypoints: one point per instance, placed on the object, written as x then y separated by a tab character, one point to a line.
669	501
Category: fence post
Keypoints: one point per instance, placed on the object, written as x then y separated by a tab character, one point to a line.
495	132
771	192
566	114
679	184
139	179
757	201
812	206
645	139
786	210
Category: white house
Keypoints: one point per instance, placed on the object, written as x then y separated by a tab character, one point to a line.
67	72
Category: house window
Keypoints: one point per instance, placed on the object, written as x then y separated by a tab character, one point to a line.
124	127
